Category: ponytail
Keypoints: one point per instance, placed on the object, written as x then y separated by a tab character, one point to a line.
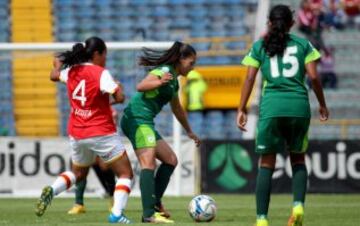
152	57
281	19
77	55
81	53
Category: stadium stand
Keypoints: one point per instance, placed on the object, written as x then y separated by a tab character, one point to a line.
34	97
154	20
139	20
7	124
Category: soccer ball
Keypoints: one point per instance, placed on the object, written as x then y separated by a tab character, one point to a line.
202	208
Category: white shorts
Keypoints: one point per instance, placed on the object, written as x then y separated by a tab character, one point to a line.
84	151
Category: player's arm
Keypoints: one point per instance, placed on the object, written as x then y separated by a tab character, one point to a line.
180	115
153	81
245	94
114	88
318	90
55	72
118	95
310	65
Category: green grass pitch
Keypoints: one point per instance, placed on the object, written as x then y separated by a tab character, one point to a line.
239	210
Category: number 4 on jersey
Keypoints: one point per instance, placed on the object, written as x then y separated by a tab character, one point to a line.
80	88
288	58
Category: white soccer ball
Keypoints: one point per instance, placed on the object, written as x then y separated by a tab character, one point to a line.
202	208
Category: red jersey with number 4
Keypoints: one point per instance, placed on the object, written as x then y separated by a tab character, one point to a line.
90	113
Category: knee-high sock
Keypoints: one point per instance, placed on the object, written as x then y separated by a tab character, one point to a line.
299	182
121	194
79	192
162	179
147	188
63	182
106	178
263	191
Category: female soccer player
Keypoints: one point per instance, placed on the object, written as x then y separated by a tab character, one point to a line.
284	119
158	88
91	129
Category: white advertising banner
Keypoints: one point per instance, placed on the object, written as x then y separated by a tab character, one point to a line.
27	165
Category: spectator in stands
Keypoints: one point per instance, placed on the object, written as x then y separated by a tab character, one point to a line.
352	10
327	69
309	25
351	7
194	90
332	16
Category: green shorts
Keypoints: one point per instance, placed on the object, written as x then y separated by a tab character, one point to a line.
140	135
282	133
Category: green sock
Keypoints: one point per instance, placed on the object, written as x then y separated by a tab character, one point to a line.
147	188
299	182
162	179
263	190
79	192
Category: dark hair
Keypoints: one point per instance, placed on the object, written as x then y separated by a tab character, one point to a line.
281	19
177	51
80	53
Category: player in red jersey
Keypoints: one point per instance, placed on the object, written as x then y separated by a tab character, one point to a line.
91	128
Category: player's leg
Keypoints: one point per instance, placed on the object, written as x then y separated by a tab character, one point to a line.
146	157
122	169
297	141
143	140
110	149
299	184
269	141
263	187
82	158
169	161
106	176
78	207
62	183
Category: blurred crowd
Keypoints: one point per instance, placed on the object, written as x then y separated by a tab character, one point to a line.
315	16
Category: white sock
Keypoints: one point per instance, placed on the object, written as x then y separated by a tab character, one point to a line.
63	182
121	194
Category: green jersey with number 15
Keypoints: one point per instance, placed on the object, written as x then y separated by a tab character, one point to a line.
284	93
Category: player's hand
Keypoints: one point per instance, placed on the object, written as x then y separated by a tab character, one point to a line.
324	113
166	78
57	63
194	138
241	120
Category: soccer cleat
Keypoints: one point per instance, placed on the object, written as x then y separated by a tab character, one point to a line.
77	209
157	218
122	219
262	222
44	201
160	209
297	216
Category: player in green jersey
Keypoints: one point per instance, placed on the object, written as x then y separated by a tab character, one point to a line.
158	88
284	119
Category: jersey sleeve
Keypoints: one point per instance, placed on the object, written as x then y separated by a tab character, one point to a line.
311	54
64	74
107	83
253	58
